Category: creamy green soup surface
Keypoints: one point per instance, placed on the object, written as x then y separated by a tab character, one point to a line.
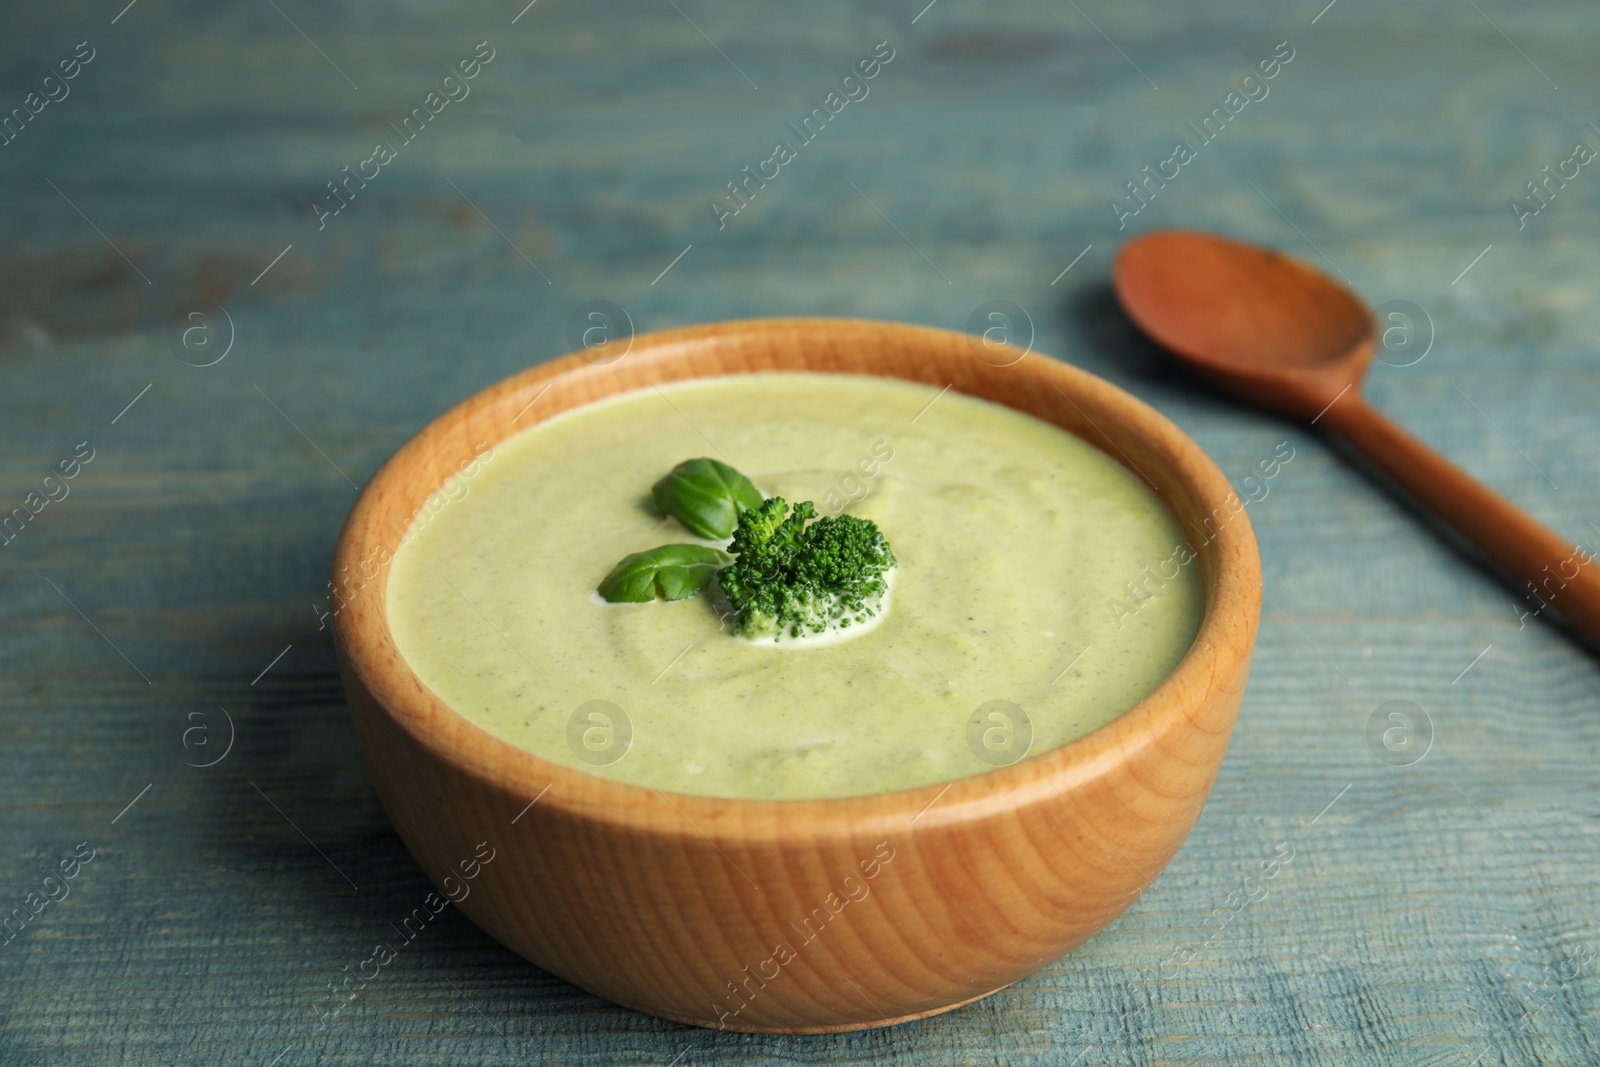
1019	547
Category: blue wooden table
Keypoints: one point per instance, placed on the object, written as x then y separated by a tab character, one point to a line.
222	306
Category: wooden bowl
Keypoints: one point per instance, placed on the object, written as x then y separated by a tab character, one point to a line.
799	916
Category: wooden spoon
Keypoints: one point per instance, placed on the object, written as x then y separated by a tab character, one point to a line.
1279	334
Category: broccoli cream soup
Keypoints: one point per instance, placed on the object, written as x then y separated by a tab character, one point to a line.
1020	614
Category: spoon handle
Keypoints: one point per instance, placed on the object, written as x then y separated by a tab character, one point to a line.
1562	575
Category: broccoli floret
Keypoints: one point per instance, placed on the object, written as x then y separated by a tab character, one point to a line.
791	578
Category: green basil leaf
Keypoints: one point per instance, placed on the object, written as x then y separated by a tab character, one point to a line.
706	496
672	572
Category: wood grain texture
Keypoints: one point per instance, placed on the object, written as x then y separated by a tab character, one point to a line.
799	916
1415	924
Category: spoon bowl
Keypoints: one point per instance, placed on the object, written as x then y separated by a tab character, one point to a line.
1255	322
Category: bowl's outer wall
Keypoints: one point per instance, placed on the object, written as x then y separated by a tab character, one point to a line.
800	915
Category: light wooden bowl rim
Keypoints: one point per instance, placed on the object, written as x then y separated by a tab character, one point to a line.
362	629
